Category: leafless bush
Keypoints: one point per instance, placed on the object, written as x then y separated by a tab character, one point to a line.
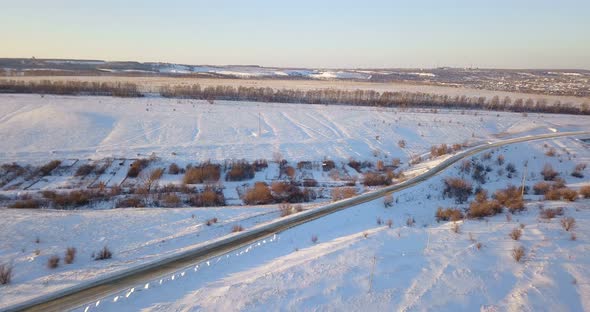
548	173
136	167
510	198
70	255
561	193
550	213
259	194
389	223
5	274
457	188
53	262
410	221
48	167
578	171
310	182
551	152
283	191
541	188
328	165
439	150
240	171
211	221
573	236
130	202
314	238
209	197
103	254
237	228
518	253
500	160
515	234
173	169
171	200
568	223
377	179
339	193
465	166
478	245
448	214
379	221
25	203
401	143
585	191
85	170
482	207
388	200
206	172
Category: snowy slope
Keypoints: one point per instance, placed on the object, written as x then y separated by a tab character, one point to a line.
37	129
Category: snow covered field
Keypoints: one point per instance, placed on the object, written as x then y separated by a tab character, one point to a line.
425	267
37	129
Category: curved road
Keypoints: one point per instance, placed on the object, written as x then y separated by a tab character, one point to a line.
93	290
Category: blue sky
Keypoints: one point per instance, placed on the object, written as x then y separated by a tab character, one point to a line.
420	33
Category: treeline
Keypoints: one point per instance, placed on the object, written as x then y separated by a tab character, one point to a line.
369	98
71	88
318	96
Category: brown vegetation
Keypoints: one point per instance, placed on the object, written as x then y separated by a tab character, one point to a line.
550	213
5	274
70	255
103	254
568	223
448	214
518	253
259	194
457	188
206	172
339	193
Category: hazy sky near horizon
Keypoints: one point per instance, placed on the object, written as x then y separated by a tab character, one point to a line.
304	33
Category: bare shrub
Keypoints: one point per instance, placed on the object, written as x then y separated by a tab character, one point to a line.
173	169
376	179
439	150
500	160
237	228
85	170
103	254
568	223
389	223
380	166
548	173
388	200
585	191
310	182
25	203
171	200
410	221
482	207
5	274
206	172
136	167
569	194
573	236
541	188
465	166
53	262
515	234
518	253
578	171
314	238
339	193
511	198
70	255
457	188
48	167
328	165
211	221
379	221
240	171
259	194
448	214
401	143
478	245
550	213
551	152
130	202
455	228
283	191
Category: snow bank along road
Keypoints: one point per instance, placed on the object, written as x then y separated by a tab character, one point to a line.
96	289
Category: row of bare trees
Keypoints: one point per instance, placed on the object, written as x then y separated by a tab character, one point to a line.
71	88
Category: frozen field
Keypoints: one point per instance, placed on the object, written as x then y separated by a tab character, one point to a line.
36	129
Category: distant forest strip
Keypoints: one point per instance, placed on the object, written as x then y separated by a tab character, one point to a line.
319	96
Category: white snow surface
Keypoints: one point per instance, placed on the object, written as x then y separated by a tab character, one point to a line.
36	129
